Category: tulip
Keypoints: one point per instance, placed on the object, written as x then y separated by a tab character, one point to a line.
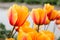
48	8
51	13
35	15
45	35
23	36
50	34
17	15
39	16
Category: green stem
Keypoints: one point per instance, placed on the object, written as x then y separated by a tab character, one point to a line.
10	34
38	28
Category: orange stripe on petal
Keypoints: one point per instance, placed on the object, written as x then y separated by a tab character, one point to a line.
42	16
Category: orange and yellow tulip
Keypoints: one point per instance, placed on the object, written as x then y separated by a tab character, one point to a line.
51	12
48	8
50	34
39	16
35	15
23	36
17	15
45	35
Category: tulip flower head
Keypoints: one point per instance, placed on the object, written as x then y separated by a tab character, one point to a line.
17	15
39	16
51	13
35	15
48	8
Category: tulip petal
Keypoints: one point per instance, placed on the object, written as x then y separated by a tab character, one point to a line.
53	15
33	35
22	15
23	36
47	21
48	8
42	16
35	15
12	16
45	35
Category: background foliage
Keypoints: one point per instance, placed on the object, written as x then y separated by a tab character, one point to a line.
3	31
54	2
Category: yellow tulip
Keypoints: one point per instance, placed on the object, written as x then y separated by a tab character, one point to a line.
23	36
45	35
9	38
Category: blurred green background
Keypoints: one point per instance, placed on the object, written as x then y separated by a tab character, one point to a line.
3	31
54	2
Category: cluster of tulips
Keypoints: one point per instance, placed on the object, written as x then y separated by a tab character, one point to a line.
18	15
